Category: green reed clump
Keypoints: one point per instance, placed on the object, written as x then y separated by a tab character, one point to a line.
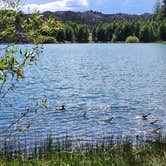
64	152
132	39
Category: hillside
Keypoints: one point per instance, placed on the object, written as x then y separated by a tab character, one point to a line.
92	17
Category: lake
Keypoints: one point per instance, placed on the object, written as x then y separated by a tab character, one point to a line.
95	82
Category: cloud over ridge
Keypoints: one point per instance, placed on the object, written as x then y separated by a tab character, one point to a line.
55	5
105	6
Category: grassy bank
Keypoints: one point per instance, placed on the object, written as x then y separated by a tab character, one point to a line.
104	152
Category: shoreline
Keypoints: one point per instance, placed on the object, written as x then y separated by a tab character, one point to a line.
159	42
105	152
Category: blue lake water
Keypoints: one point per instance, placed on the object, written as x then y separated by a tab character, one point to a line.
122	81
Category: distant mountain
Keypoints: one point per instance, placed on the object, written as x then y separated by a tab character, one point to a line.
93	17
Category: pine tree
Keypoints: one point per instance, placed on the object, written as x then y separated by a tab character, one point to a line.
157	7
163	31
163	12
60	35
69	34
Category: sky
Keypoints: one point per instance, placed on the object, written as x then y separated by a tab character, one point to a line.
105	6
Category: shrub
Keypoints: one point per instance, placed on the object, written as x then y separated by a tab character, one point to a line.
132	39
44	39
114	38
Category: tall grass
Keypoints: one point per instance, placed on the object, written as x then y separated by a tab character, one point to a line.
66	152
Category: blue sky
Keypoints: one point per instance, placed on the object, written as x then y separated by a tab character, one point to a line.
105	6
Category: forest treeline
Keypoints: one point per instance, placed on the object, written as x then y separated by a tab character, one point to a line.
36	29
149	31
145	31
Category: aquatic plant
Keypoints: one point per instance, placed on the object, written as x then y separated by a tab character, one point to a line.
106	151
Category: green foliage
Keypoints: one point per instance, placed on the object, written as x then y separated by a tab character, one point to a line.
163	10
110	31
82	33
123	30
101	33
14	27
12	64
7	25
60	35
132	39
33	28
69	33
44	39
50	27
104	152
163	31
64	31
157	7
14	60
160	10
32	23
145	35
94	38
118	32
114	38
104	32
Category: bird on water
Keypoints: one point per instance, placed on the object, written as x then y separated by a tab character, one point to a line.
108	120
153	122
61	108
155	131
144	116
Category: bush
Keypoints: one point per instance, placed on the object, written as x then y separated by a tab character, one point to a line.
132	39
114	38
44	39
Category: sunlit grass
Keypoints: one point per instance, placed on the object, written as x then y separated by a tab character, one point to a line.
105	152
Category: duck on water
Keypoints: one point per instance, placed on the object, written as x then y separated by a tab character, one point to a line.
60	108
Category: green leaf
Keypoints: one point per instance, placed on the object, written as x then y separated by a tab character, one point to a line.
2	64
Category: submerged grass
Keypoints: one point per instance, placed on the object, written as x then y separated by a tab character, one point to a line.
106	152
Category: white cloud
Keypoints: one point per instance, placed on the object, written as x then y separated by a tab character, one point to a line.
84	2
58	5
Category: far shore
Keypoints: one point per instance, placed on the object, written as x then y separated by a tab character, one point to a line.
24	43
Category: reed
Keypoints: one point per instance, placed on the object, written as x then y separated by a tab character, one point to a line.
66	151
